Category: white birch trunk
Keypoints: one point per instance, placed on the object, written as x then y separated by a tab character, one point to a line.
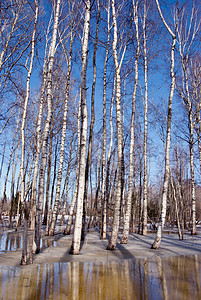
91	124
193	201
124	239
67	180
39	209
198	130
196	85
74	200
47	195
109	155
145	183
186	39
22	171
38	140
28	185
50	204
63	138
115	228
179	179
3	155
157	241
103	230
75	249
72	207
176	205
10	160
191	144
13	183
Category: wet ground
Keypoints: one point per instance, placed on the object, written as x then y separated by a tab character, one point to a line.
167	278
133	271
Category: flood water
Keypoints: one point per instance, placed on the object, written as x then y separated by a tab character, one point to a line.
156	278
12	241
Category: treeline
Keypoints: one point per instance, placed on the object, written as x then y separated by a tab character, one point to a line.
100	116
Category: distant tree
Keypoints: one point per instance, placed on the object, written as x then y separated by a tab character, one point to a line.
187	34
16	19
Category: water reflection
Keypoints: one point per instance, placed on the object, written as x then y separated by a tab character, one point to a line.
12	241
170	278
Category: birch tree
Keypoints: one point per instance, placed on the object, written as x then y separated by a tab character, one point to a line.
38	133
75	247
63	135
187	32
74	199
11	157
49	167
67	179
115	227
22	169
124	238
157	241
39	209
103	188
176	206
16	19
196	83
89	154
145	183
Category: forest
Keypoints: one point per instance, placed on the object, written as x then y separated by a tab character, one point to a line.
100	117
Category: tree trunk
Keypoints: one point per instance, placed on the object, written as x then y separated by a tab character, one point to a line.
38	141
91	125
188	36
140	192
3	155
115	228
145	183
109	156
74	200
13	184
103	229
39	208
63	138
72	207
124	238
22	169
191	144
67	179
75	248
10	159
157	241
176	206
49	167
50	205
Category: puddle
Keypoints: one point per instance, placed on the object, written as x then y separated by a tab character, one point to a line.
12	241
167	278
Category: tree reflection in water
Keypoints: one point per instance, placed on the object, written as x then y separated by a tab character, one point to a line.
156	278
10	241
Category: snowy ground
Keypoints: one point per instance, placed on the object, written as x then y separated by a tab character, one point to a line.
56	249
